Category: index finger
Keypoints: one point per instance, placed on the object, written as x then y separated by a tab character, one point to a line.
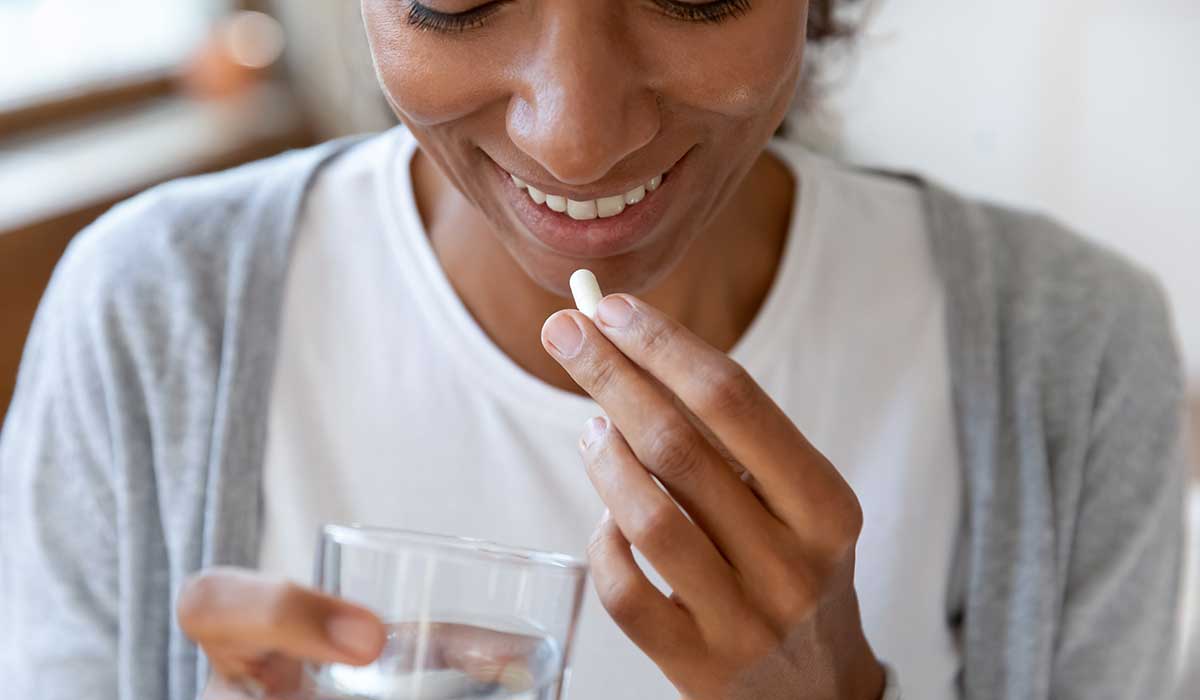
228	607
723	395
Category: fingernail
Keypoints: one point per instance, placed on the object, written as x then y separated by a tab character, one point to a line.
353	635
594	430
515	678
564	336
614	312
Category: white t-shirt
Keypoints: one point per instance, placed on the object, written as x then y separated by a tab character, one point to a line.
391	407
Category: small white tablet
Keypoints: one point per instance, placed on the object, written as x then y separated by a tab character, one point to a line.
586	291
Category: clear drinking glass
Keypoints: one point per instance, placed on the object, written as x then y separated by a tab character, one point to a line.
466	618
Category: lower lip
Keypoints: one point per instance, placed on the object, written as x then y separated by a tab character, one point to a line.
594	238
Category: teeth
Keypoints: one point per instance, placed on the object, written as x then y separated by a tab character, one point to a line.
581	211
604	207
610	206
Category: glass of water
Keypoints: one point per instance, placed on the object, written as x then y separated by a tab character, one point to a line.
466	618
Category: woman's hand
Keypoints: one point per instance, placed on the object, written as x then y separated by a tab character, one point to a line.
762	565
257	632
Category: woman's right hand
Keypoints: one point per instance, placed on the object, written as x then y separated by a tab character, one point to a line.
257	631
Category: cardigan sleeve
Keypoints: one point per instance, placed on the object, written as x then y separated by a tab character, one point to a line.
1118	628
129	457
59	552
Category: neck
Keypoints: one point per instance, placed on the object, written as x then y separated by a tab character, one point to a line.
715	290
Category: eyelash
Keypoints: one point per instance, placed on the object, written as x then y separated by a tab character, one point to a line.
708	13
425	18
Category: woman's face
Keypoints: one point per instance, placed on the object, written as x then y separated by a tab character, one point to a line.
591	100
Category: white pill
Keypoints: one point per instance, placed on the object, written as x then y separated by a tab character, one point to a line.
586	291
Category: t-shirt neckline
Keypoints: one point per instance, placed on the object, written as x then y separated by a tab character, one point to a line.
484	361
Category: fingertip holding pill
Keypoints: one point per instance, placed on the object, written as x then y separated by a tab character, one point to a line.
586	291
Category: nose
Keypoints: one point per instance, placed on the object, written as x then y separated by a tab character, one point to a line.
583	103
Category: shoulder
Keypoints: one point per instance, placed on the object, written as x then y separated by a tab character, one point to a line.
1043	282
160	286
1054	335
192	231
1027	257
1068	387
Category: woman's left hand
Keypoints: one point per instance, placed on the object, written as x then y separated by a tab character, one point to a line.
762	572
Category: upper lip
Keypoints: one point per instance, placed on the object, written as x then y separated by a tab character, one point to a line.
597	191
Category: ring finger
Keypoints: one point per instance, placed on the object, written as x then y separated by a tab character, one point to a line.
651	521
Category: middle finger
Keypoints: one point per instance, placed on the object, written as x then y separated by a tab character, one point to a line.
666	442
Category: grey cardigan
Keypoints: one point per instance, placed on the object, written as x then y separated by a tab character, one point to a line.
132	451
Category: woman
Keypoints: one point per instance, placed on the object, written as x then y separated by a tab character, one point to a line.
923	445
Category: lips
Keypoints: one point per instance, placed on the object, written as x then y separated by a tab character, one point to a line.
590	228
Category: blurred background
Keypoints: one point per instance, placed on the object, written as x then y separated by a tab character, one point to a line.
1085	109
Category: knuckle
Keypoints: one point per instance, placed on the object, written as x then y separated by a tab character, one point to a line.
843	529
852	521
757	638
656	529
729	390
621	597
618	592
763	640
601	375
675	452
657	337
797	600
792	582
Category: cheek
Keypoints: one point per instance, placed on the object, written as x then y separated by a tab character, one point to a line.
428	78
743	69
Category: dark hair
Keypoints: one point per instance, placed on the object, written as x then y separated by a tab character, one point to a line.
828	30
824	23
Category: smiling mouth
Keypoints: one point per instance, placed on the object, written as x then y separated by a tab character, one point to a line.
588	209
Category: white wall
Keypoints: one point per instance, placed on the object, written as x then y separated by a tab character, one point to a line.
1088	109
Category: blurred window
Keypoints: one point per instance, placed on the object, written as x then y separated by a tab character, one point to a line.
52	47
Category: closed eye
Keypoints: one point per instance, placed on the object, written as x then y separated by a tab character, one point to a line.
423	17
709	12
427	18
